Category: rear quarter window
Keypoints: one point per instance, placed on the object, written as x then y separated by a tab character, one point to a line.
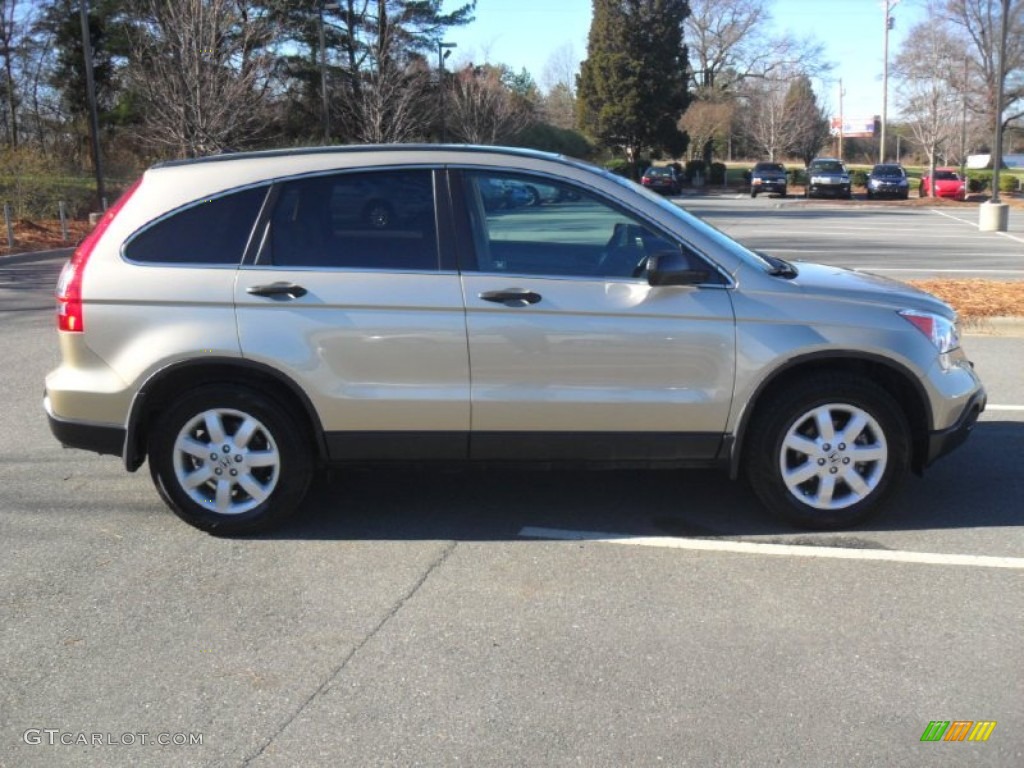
215	231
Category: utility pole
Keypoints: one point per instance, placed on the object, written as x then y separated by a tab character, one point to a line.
842	119
94	120
887	6
993	216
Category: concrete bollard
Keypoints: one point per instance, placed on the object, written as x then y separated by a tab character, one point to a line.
993	217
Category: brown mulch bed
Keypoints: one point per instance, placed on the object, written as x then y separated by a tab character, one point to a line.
977	299
42	235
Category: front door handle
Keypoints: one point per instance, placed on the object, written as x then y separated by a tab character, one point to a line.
513	297
290	290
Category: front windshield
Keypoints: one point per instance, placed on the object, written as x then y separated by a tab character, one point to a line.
827	167
945	176
888	170
720	239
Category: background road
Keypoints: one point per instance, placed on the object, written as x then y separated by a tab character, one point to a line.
906	243
406	618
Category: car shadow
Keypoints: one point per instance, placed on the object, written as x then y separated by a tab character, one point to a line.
979	485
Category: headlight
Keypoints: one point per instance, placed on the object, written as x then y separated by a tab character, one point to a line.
940	331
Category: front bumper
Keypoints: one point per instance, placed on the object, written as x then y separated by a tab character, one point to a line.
769	185
942	441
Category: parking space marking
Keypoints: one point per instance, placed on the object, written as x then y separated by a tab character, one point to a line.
777	550
945	271
1004	407
976	225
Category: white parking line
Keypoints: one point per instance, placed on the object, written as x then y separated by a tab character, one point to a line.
1004	407
785	550
975	225
942	271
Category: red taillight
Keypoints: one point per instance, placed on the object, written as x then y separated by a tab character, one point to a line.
69	287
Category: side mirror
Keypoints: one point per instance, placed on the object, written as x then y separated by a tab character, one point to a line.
673	268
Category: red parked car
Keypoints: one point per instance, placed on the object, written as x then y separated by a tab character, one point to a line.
947	184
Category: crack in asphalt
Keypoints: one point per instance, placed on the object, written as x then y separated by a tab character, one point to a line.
336	672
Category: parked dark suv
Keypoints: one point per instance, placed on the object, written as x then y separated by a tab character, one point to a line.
828	176
768	177
888	180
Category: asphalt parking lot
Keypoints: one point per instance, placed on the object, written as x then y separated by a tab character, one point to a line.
519	618
885	237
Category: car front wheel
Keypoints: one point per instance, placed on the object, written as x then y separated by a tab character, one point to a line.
825	453
229	460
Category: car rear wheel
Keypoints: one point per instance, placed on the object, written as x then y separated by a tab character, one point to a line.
825	453
229	460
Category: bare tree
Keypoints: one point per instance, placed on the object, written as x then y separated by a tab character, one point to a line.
202	72
765	127
559	82
394	105
974	27
483	109
730	42
707	121
926	97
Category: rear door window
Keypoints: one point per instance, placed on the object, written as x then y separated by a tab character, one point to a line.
362	220
214	231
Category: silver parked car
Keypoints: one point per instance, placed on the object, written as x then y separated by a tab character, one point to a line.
242	320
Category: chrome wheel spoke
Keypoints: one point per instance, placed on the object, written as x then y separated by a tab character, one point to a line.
192	447
801	474
269	458
253	487
853	428
197	478
857	484
245	432
825	490
223	500
863	453
800	444
214	426
823	420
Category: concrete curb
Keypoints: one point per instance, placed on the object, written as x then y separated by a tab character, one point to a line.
31	256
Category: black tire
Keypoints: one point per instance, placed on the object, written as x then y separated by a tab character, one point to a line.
272	465
753	193
869	195
837	490
905	195
783	192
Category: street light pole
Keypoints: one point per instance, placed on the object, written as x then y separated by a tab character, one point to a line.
443	52
90	92
997	156
887	6
993	216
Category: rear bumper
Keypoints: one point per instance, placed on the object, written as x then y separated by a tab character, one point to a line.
98	438
941	442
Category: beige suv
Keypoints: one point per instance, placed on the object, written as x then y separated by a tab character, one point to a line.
242	320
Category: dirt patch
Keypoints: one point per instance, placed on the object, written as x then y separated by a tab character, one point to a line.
42	235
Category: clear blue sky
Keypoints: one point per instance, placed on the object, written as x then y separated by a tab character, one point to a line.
525	33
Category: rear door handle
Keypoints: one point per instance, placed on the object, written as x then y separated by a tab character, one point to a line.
512	297
290	290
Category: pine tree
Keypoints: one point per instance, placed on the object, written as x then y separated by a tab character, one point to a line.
632	86
805	124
